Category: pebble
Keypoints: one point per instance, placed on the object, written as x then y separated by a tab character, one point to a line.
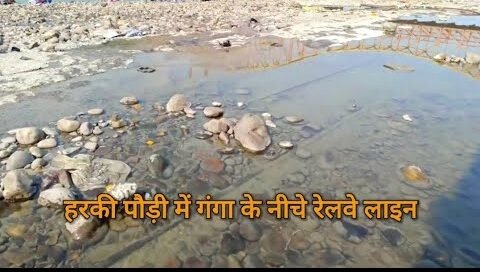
231	244
293	119
240	104
407	117
270	123
250	231
267	116
28	136
213	112
77	139
18	160
212	164
95	111
303	154
66	125
216	104
47	143
35	151
189	111
129	100
85	129
92	146
9	140
394	236
285	144
97	131
340	229
38	163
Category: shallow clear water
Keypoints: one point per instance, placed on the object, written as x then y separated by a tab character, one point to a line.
359	151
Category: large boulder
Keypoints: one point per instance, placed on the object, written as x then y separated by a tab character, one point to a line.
19	185
252	133
29	135
89	174
177	103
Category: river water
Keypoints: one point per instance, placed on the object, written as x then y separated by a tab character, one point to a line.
353	139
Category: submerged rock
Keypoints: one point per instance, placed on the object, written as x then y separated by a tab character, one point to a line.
18	185
156	164
293	119
47	143
252	133
216	126
213	112
82	228
177	102
89	174
129	100
55	196
29	135
413	173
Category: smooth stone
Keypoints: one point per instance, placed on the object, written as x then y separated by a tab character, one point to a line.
250	231
92	146
231	244
77	139
82	228
37	152
252	261
95	111
212	164
5	153
176	103
18	160
129	100
270	123
38	163
394	236
303	154
285	144
216	126
216	104
224	137
299	241
47	143
9	140
252	133
97	131
189	111
54	197
5	145
66	125
29	135
472	58
212	112
85	129
16	231
293	119
195	262
274	241
156	164
340	229
18	185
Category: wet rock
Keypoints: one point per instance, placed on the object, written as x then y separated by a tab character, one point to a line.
16	231
38	163
208	248
299	242
56	254
472	58
85	129
195	262
233	262
121	191
252	261
211	164
303	153
231	244
17	256
95	111
47	143
92	146
340	229
29	135
274	241
67	125
252	133
394	236
18	160
250	231
332	257
54	197
18	185
8	140
51	132
224	137
117	225
35	151
293	119
177	103
212	112
97	131
88	174
5	153
216	126
129	100
285	144
82	228
156	164
414	176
